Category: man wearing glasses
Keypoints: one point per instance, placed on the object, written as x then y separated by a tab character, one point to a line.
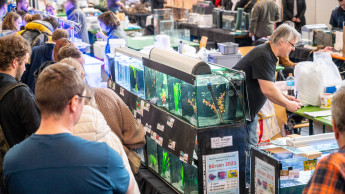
53	160
259	66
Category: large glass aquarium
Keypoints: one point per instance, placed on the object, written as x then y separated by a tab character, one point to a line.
129	70
288	169
213	97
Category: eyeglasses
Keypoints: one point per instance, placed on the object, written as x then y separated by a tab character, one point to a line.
87	98
292	45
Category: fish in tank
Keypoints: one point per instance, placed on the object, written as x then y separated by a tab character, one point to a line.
177	173
164	163
174	95
152	154
137	84
191	178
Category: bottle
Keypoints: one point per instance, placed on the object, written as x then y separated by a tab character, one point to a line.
290	83
180	47
72	34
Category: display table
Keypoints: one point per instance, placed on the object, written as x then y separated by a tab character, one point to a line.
148	182
217	35
322	120
138	43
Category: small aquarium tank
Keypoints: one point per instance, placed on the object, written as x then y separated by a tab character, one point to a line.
191	178
174	95
177	173
164	164
122	70
152	154
136	77
156	87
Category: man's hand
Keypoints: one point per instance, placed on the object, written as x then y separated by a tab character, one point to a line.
250	34
291	98
293	19
293	106
298	20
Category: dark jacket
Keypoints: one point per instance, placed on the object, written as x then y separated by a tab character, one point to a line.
337	17
40	54
288	6
19	115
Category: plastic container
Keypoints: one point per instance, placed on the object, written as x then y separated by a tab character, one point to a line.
98	49
228	61
227	48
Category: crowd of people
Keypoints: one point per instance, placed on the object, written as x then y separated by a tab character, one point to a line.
55	129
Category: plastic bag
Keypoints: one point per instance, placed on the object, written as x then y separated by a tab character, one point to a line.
308	83
312	77
330	72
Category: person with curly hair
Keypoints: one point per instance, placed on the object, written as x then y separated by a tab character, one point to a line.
19	115
110	24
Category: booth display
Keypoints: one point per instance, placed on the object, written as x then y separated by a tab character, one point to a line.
286	165
193	115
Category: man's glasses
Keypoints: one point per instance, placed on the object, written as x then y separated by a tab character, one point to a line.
292	45
87	98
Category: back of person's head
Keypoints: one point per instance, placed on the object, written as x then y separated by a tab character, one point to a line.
59	34
74	63
9	22
55	24
22	13
11	47
109	19
54	79
29	18
338	109
285	33
69	51
59	44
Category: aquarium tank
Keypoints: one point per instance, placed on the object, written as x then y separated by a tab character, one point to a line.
156	84
164	164
152	154
174	95
129	70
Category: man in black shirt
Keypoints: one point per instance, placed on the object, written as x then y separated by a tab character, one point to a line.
259	66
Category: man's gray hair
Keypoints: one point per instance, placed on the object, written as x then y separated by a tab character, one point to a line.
286	33
338	109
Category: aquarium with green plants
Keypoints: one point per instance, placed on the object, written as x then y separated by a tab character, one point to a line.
174	95
177	173
152	154
136	77
164	164
156	84
191	178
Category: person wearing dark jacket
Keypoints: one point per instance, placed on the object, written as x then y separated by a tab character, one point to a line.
41	54
19	115
338	15
294	11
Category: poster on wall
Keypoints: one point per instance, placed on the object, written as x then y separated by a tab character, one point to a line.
222	173
264	177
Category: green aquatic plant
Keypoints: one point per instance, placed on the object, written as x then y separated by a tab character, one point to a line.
165	162
177	95
134	69
153	160
182	176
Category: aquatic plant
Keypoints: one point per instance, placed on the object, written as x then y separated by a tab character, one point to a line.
153	160
220	102
177	95
182	176
134	69
165	162
193	104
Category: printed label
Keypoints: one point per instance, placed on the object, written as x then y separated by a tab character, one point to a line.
221	142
